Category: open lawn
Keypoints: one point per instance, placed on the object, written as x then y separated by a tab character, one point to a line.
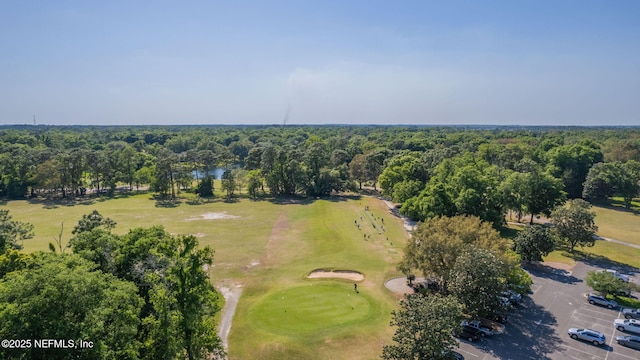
603	251
269	248
618	223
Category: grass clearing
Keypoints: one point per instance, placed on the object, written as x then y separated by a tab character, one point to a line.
269	248
603	252
618	223
557	256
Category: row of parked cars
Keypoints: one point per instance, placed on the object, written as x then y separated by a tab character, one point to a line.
630	324
474	329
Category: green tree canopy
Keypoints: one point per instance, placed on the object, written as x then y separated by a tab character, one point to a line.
477	280
169	272
63	297
92	221
460	186
534	242
574	224
436	244
605	282
424	328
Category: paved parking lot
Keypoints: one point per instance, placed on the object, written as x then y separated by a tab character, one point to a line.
538	329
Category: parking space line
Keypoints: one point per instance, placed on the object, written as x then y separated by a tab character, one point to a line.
584	352
610	342
466	352
594	317
626	356
596	311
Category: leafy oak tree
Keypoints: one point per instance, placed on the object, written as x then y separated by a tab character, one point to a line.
477	279
574	224
61	297
533	243
436	244
424	328
92	221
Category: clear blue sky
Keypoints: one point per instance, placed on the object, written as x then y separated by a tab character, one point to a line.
328	62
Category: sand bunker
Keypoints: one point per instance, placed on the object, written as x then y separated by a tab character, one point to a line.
214	216
336	274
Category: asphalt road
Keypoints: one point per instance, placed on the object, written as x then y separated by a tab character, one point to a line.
538	328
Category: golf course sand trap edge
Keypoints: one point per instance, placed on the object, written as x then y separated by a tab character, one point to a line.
336	274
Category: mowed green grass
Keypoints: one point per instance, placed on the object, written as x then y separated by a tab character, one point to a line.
269	248
321	234
617	223
605	251
321	308
236	240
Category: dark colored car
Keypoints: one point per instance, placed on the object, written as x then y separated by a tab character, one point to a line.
455	356
629	341
469	333
631	314
499	317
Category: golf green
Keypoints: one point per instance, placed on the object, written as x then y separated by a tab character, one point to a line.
313	308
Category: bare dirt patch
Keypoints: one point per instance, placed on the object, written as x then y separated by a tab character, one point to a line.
252	264
213	216
336	274
279	228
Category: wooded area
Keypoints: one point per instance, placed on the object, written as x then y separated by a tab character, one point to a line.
429	170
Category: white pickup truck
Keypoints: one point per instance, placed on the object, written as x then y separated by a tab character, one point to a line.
488	327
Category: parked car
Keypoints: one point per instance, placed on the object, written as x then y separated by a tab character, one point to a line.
629	341
617	274
595	299
505	302
499	317
514	298
453	355
631	313
629	325
624	292
486	326
592	336
469	333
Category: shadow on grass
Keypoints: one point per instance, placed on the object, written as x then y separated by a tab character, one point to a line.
166	202
598	261
286	200
617	204
54	203
548	272
529	334
291	200
202	201
119	194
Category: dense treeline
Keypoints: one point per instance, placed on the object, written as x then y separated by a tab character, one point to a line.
142	295
430	170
